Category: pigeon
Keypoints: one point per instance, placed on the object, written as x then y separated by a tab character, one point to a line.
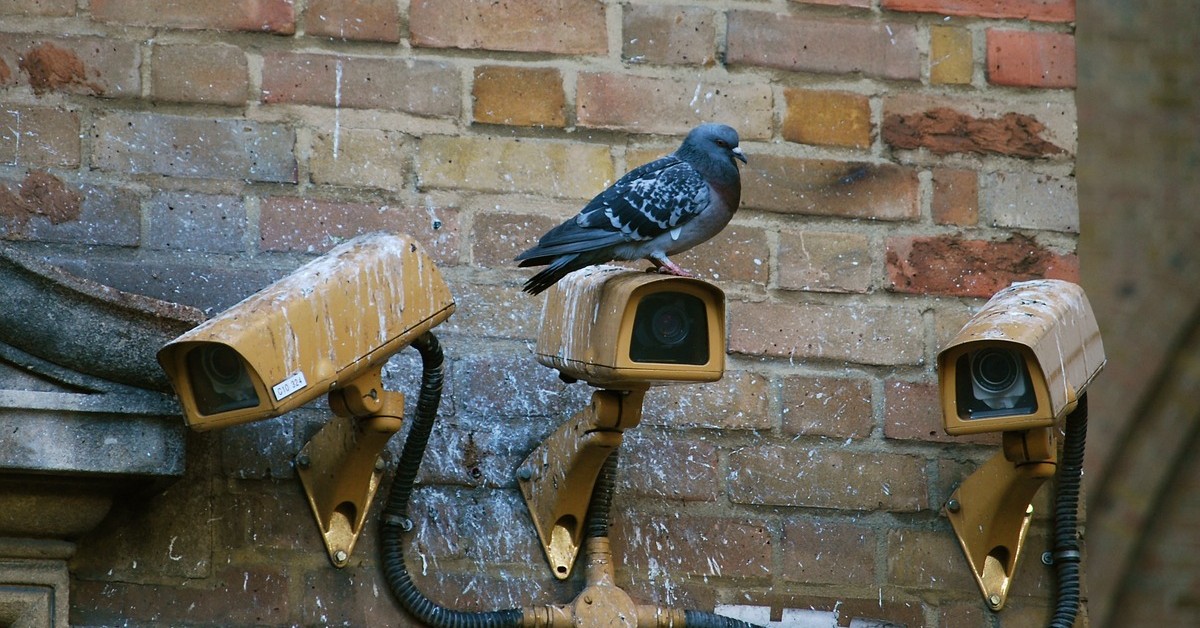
664	207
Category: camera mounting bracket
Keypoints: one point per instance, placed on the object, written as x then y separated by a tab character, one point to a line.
558	477
340	467
991	510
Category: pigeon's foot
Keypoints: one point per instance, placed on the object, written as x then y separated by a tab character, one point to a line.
667	267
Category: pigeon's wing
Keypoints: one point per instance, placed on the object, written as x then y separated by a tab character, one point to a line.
645	203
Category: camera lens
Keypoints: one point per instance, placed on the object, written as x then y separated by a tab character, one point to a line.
670	327
221	364
219	380
995	370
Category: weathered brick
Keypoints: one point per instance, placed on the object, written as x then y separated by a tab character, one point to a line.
39	136
568	27
952	265
530	389
43	207
951	124
499	238
40	8
183	221
519	96
913	411
206	148
362	20
689	545
1028	200
1030	59
928	559
350	157
199	73
268	16
799	475
951	56
671	106
427	88
863	334
827	552
490	164
91	66
794	185
790	42
668	467
313	225
827	118
738	253
668	35
955	197
826	406
1036	10
489	311
824	261
737	402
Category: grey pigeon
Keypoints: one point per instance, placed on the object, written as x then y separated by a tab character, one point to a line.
664	207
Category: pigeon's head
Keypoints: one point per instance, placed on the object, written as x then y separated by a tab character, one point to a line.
717	142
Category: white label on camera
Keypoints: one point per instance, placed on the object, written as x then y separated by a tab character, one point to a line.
289	386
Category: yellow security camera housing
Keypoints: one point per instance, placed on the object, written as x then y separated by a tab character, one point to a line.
307	334
618	328
1022	361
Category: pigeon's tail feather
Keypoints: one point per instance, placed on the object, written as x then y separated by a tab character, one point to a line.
562	266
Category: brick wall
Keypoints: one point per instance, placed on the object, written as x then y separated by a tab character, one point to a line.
907	157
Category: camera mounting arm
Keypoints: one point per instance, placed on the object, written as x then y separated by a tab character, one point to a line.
558	477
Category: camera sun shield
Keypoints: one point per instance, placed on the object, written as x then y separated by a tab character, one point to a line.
613	327
1022	361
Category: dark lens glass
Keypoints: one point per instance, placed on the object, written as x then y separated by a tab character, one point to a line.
995	371
994	382
670	327
219	379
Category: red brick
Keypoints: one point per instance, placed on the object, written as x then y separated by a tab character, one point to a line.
1036	10
951	265
429	88
642	104
207	74
207	148
362	20
687	545
91	66
913	411
840	479
39	136
519	96
315	226
668	35
501	237
269	16
567	27
1028	59
795	185
827	552
825	262
928	559
827	118
953	124
789	42
738	253
862	334
955	197
737	402
182	221
45	208
826	406
668	467
859	4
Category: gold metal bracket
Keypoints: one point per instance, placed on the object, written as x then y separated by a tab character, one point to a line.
340	467
558	477
991	509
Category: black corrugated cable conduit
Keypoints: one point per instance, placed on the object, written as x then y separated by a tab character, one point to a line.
1066	507
395	519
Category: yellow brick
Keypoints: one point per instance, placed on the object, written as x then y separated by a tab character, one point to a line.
522	166
519	96
951	60
827	118
359	158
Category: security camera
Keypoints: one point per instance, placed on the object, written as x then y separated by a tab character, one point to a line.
1022	361
617	328
307	334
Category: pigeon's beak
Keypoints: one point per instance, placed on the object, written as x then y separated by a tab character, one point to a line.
738	154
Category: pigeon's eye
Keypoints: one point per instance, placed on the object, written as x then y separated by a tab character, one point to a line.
722	144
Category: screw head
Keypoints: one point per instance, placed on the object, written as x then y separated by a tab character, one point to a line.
953	505
524	473
303	461
994	600
340	556
1047	558
380	464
